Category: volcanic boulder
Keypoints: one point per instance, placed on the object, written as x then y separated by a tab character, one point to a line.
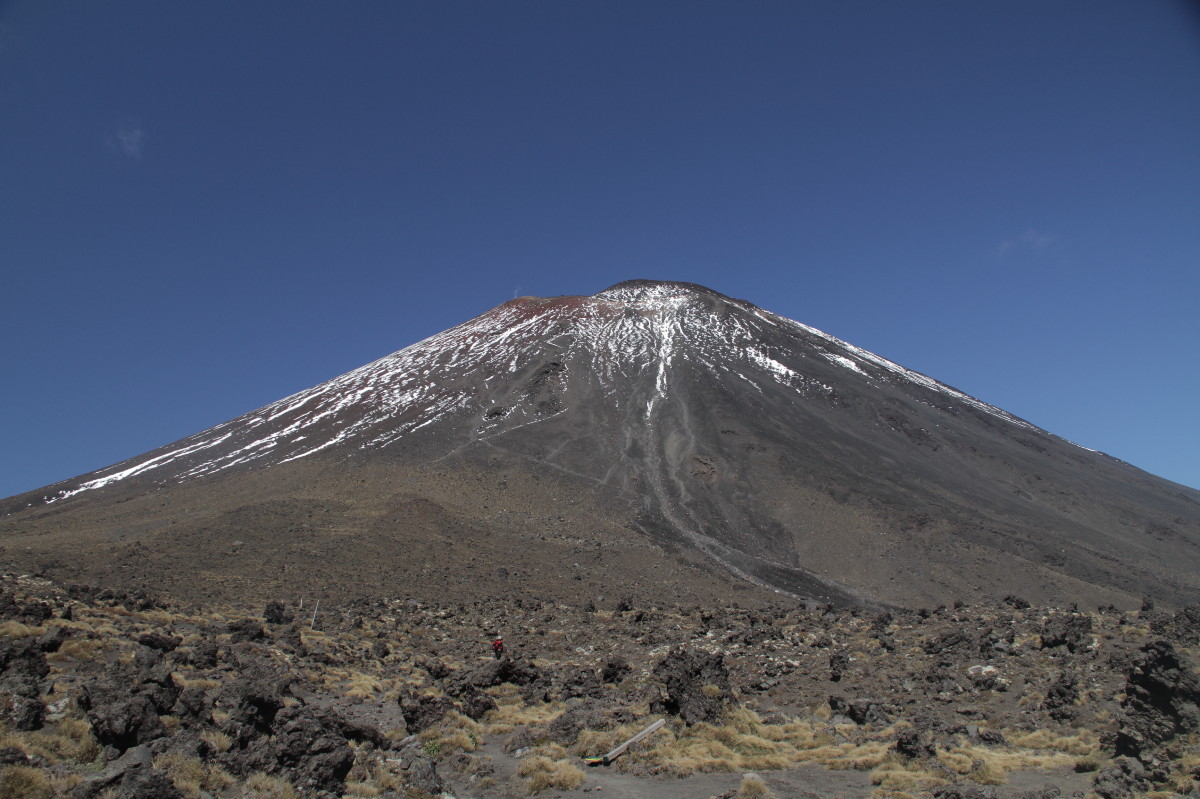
697	685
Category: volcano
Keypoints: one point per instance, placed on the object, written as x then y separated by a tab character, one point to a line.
656	438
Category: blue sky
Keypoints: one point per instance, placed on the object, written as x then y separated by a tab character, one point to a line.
205	207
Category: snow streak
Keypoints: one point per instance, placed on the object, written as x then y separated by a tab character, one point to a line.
629	331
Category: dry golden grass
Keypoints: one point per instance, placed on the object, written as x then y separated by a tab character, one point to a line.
195	682
263	786
193	776
24	782
543	773
454	732
743	743
754	788
896	774
1081	743
362	686
217	740
515	713
68	740
15	629
77	649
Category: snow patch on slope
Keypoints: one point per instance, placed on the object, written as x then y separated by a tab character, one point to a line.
629	331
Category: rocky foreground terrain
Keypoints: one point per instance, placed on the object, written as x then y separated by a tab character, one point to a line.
120	695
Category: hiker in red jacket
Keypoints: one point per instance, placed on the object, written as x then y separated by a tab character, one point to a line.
498	647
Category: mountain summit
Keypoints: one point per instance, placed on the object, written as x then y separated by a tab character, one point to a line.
653	416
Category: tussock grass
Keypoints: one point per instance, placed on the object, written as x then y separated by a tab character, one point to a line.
896	774
454	732
78	649
1082	743
195	682
362	686
742	743
217	740
754	788
15	629
261	785
70	739
543	773
24	782
513	714
192	776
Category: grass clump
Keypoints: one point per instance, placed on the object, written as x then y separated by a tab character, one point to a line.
543	773
261	785
742	743
1082	743
895	774
24	782
753	788
455	732
192	776
70	739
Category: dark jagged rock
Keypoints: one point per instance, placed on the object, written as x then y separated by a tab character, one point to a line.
159	642
838	663
205	654
420	772
193	706
580	683
474	703
289	636
253	700
697	684
958	642
22	667
436	668
276	613
498	672
1162	700
306	745
20	707
1121	780
1073	632
245	630
12	756
120	716
915	743
422	712
860	711
53	639
1061	697
132	776
23	659
614	670
575	719
1180	628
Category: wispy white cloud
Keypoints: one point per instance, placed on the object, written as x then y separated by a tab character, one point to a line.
1032	239
128	140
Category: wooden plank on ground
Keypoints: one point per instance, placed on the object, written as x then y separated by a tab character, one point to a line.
604	760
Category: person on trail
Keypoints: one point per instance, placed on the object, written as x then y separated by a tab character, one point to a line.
498	647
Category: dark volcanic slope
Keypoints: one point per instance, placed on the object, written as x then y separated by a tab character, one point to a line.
707	424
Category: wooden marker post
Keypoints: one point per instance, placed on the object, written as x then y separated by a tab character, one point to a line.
604	760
